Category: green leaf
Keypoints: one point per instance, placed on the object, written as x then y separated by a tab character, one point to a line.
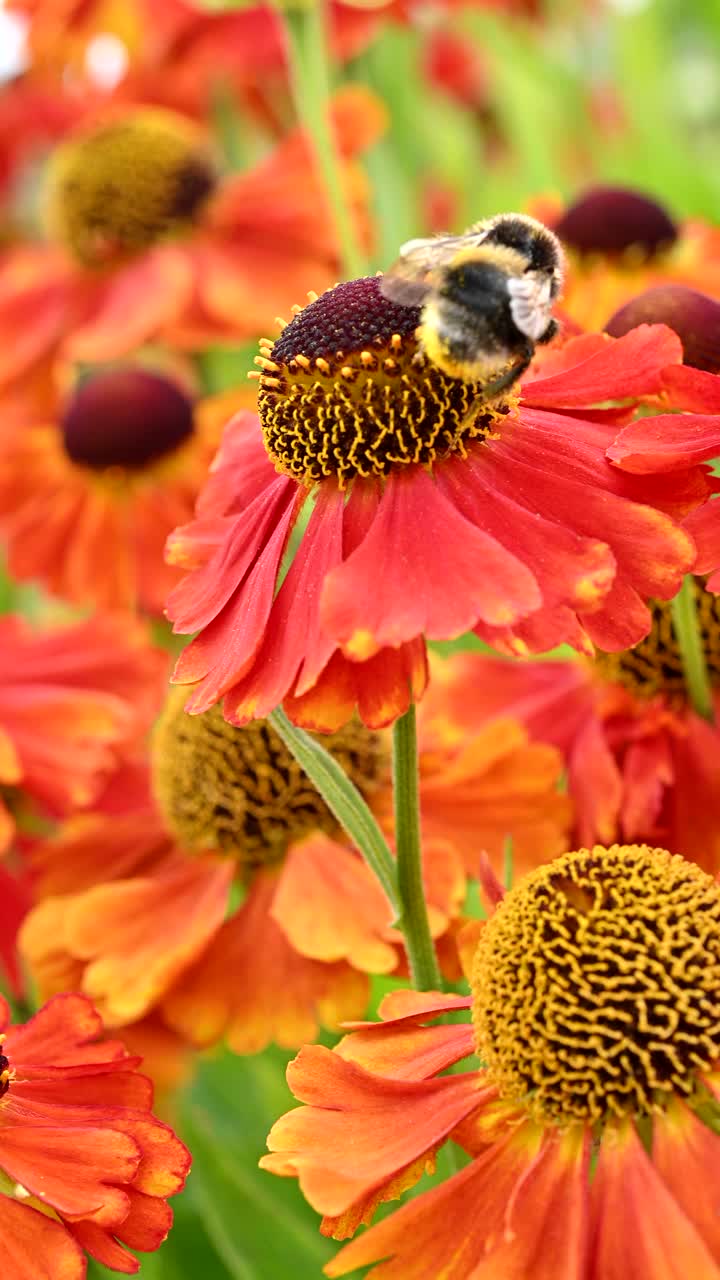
343	799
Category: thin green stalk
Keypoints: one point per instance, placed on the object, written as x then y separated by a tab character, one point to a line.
687	633
414	917
343	800
305	28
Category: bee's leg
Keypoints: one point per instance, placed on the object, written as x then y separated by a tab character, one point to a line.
510	375
550	332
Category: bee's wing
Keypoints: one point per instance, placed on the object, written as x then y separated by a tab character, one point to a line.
411	277
531	297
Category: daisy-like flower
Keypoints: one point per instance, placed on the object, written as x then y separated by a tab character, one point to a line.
146	242
592	1124
232	903
86	1168
621	242
71	699
87	500
641	764
663	446
434	510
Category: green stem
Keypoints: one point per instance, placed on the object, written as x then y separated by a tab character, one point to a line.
414	917
687	633
305	28
344	801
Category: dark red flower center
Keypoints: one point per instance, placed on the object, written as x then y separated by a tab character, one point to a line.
613	220
125	417
345	391
654	666
121	186
694	317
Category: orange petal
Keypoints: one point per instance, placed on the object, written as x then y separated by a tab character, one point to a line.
448	1233
139	935
330	907
386	1124
29	1240
686	1154
638	1227
251	983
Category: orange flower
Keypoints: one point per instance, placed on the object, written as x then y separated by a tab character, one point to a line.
173	253
87	502
621	242
134	899
71	698
594	1005
437	505
86	1166
641	765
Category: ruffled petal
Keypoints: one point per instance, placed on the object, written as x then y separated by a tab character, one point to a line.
432	573
386	1123
253	985
138	935
622	368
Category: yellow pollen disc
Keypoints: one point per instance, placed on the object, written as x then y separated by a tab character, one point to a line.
239	791
127	184
654	665
351	394
596	984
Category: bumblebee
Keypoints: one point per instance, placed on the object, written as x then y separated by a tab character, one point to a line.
486	296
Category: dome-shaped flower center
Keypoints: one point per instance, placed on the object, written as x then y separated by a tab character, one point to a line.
125	185
596	984
239	790
345	391
655	665
125	417
613	220
694	317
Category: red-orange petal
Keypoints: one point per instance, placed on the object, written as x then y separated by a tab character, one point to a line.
432	573
638	1228
387	1124
30	1241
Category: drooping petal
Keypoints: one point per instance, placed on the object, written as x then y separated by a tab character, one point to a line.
138	935
330	907
460	1229
685	1154
669	442
638	1228
35	1247
432	573
622	368
252	984
386	1123
72	1168
595	783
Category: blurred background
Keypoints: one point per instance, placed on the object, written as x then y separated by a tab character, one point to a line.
476	108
